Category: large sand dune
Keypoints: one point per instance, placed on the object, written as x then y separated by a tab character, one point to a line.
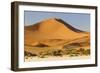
53	32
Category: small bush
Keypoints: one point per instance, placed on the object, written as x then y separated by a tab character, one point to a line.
29	54
57	53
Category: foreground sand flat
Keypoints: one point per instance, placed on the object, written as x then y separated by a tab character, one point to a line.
32	59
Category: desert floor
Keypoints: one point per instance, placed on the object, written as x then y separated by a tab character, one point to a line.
52	58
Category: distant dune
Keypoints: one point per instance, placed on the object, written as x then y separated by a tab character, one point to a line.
53	32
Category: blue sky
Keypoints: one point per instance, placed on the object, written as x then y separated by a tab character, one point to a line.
78	20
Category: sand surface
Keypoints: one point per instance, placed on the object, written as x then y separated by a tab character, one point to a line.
30	59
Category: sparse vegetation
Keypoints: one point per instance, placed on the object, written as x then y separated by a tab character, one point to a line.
79	52
29	54
57	53
65	51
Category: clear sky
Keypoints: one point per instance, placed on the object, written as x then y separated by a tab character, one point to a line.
78	20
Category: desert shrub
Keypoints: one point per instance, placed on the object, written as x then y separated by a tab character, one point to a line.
87	52
29	54
33	54
41	55
54	53
25	53
69	51
57	53
71	55
83	51
49	53
72	52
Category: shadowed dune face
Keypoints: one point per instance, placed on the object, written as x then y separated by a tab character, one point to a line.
69	26
52	32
